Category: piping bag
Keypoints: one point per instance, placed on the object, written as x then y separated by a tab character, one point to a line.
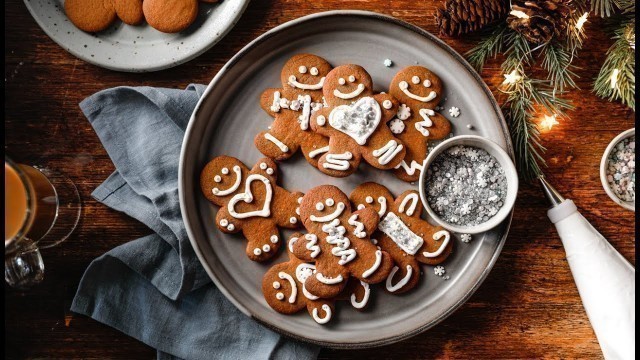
605	279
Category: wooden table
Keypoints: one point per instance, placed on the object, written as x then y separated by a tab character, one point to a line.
528	307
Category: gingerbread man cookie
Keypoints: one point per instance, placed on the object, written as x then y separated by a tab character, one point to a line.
403	234
338	242
251	202
355	123
284	290
291	107
419	91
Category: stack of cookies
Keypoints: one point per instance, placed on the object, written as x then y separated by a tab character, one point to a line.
333	116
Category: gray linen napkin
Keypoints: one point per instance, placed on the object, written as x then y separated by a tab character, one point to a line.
153	288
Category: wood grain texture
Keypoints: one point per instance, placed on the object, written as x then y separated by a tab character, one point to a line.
527	308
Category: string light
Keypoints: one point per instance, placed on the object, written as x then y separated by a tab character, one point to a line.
581	20
519	14
549	121
511	78
614	78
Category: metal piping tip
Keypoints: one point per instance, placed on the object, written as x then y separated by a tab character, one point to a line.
550	192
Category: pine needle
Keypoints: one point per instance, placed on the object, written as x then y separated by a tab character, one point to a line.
488	47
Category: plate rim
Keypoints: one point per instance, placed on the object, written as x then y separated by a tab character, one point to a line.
236	58
233	20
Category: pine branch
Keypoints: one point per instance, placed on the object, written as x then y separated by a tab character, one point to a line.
603	8
487	48
556	60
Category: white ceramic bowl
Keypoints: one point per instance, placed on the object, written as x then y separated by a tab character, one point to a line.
603	170
501	156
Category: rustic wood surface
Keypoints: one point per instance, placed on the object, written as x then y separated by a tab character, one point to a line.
528	307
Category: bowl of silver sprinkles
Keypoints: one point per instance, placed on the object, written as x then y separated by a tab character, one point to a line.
618	170
469	184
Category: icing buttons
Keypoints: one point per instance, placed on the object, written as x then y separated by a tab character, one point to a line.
225	171
302	69
224	222
217	178
387	104
276	285
263	166
274	239
329	202
269	171
257	252
293	220
266	248
321	120
280	296
231	227
319	206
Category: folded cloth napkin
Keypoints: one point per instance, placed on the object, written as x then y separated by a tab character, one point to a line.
153	288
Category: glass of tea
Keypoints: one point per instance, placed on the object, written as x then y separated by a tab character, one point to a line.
42	208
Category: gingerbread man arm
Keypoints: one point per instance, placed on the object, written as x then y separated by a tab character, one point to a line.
388	106
369	219
441	127
269	101
263	239
304	246
328	281
408	203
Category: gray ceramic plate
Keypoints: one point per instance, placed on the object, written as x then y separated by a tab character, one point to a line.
228	117
137	48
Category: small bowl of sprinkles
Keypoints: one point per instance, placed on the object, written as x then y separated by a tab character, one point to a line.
469	184
618	170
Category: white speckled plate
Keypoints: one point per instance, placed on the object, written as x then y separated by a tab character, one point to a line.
228	117
139	48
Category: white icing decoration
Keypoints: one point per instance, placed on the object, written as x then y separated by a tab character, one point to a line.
311	245
359	227
294	288
279	144
404	112
293	220
274	239
328	280
387	104
329	202
454	111
369	200
335	236
410	170
401	283
302	69
234	187
415	80
217	178
375	266
396	126
303	271
295	104
303	119
365	298
280	296
359	120
398	231
308	295
337	161
263	166
296	84
291	242
404	86
313	71
269	171
339	209
321	120
389	151
321	150
427	83
276	285
426	122
326	317
300	200
352	78
383	206
320	206
341	81
266	248
231	227
351	95
225	170
412	208
247	197
361	206
257	251
437	236
224	222
298	211
275	106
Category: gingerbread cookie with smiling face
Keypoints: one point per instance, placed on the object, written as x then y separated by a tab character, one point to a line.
403	234
419	91
251	202
283	287
355	122
291	107
338	243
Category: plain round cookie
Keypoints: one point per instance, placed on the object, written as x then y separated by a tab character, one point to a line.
90	15
170	16
129	11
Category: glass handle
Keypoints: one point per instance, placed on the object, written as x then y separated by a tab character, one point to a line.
24	268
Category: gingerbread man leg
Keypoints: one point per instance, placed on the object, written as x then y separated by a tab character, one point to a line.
263	241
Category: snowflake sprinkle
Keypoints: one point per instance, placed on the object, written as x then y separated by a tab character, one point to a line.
396	126
404	112
439	270
466	238
454	111
388	62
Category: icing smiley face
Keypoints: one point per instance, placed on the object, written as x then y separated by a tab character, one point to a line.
250	202
346	84
417	87
304	72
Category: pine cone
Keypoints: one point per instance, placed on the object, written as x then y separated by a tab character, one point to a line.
464	16
539	21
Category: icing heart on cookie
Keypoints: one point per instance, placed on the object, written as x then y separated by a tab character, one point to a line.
247	197
359	120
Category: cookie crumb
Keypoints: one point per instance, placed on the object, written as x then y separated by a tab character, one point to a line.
388	63
454	111
439	270
469	126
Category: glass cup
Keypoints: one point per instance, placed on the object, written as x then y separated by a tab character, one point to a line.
42	208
